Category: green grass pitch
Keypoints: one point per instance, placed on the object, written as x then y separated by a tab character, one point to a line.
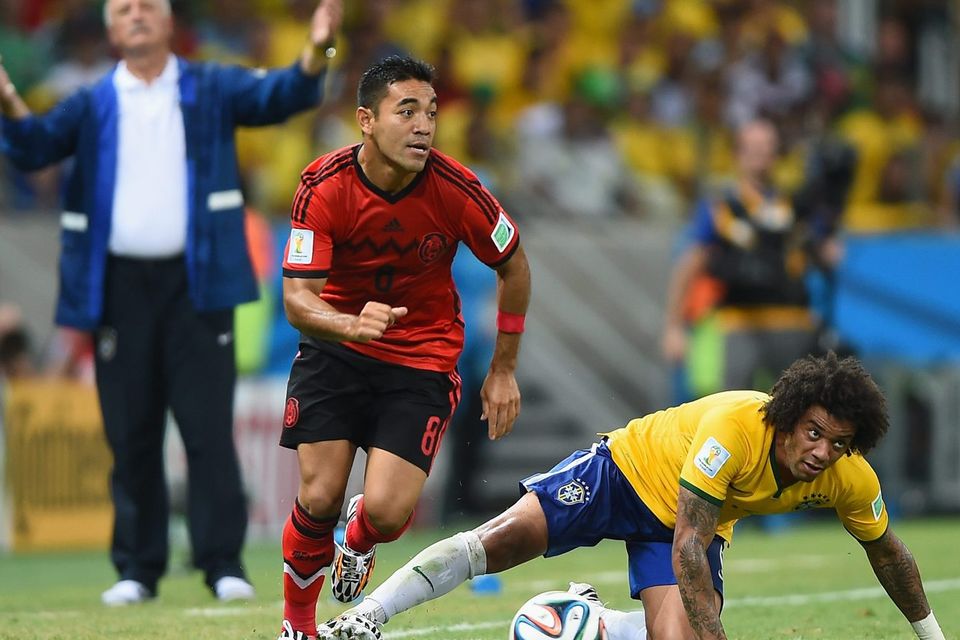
809	582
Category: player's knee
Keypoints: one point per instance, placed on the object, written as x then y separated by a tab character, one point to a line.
386	516
320	501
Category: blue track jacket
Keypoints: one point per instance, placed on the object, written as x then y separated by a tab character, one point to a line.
215	99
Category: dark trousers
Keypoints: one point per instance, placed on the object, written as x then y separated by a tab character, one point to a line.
154	351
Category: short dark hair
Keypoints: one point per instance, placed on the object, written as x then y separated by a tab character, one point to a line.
842	387
376	80
13	344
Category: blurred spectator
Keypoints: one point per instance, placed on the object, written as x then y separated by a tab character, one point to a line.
594	33
769	82
645	148
568	162
227	30
895	50
840	76
641	60
751	242
83	56
671	99
419	26
701	153
880	135
547	70
761	17
486	55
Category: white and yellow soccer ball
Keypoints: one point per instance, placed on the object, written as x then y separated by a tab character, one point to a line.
557	615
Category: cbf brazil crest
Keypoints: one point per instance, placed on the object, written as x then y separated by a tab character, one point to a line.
574	492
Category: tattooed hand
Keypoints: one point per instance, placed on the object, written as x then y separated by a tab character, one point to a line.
696	527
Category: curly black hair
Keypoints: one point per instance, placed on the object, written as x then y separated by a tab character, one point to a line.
376	80
842	387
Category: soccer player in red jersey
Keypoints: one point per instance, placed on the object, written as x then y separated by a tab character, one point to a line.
367	281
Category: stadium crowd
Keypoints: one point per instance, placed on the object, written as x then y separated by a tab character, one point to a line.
575	108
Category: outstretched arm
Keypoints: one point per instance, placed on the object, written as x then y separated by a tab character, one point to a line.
695	530
34	142
500	394
897	571
323	27
11	104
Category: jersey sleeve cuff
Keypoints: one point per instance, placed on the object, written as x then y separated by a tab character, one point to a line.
296	273
871	541
701	493
507	256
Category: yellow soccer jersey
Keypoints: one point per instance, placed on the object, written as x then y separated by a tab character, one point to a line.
719	448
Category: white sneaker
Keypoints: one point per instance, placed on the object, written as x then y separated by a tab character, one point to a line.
126	592
287	633
327	630
230	588
588	591
351	570
352	626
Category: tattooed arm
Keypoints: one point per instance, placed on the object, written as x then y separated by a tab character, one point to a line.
897	572
696	527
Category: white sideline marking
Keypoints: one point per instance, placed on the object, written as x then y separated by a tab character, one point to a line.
866	593
931	586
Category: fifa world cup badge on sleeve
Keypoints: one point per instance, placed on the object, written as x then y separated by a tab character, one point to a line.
877	505
502	233
300	250
711	457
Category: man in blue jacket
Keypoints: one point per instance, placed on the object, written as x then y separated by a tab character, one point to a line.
154	260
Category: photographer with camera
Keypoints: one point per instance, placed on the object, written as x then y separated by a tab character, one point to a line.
755	245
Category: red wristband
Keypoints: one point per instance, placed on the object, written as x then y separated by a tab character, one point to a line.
510	322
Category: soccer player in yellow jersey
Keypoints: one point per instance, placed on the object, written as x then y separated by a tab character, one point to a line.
672	485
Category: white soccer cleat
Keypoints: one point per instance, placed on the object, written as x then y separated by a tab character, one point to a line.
352	626
325	631
587	591
287	633
351	570
126	592
229	588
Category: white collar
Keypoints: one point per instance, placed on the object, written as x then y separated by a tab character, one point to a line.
126	81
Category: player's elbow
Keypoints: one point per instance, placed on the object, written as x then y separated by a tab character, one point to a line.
294	310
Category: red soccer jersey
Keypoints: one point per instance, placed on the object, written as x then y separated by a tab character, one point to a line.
396	249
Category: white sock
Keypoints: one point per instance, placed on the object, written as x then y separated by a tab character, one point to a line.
624	625
433	572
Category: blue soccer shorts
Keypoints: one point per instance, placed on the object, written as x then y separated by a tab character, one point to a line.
586	499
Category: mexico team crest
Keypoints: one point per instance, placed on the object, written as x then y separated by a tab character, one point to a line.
432	247
291	413
572	493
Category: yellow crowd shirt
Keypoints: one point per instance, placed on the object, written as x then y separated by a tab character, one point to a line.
720	448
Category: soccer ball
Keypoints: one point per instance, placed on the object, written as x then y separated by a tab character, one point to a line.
558	615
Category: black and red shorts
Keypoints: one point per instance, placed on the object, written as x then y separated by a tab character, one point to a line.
335	393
